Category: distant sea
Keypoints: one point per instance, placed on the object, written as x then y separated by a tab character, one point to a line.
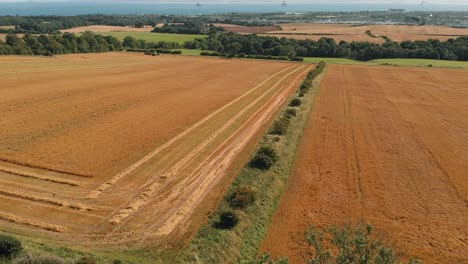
32	8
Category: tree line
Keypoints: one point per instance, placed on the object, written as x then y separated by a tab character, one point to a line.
66	43
191	27
233	45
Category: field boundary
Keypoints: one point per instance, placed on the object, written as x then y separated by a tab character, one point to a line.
242	244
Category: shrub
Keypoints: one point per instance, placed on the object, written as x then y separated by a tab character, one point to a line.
242	197
353	244
227	220
280	127
85	260
291	112
264	159
40	258
9	247
295	102
117	261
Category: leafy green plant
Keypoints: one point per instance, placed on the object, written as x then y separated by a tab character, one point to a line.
264	159
295	102
9	247
227	220
242	197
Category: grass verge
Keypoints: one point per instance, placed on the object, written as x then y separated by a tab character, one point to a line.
394	62
241	244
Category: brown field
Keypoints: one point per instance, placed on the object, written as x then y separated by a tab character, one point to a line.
102	28
387	146
3	36
248	30
117	150
337	38
352	32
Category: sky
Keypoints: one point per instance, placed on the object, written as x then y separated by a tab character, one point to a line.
266	1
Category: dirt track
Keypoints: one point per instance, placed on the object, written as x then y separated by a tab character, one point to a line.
103	150
387	146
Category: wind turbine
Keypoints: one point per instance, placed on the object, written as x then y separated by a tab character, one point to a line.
284	4
421	5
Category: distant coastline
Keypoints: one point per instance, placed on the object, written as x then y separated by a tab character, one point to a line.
84	8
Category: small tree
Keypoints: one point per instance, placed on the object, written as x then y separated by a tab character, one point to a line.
291	112
280	127
264	159
227	220
295	102
9	247
242	197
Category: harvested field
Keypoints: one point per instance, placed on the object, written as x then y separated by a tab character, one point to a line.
102	28
248	29
357	32
3	36
388	146
117	150
337	38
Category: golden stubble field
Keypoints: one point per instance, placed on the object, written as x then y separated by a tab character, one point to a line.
350	32
384	145
120	150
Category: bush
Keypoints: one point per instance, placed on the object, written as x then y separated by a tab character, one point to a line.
242	197
9	247
353	244
295	102
85	260
39	258
264	159
280	127
291	112
228	220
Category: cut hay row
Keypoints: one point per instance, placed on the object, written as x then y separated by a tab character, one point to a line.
38	177
37	224
27	165
48	201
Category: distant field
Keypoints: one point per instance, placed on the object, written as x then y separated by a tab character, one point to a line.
396	62
103	28
423	62
191	52
387	146
155	37
349	32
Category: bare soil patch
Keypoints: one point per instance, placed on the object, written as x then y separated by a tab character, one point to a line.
388	146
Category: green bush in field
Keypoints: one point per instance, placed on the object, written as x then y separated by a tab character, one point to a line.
295	102
264	159
41	258
242	197
85	260
291	112
227	220
352	244
280	127
9	247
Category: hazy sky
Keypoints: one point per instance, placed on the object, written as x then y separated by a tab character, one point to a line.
268	1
